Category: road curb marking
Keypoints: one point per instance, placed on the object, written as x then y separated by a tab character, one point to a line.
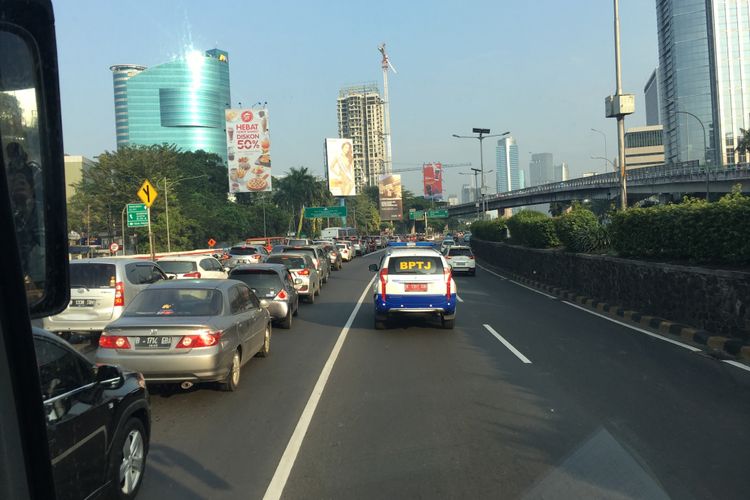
284	468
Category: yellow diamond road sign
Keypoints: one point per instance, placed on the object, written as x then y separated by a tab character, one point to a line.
147	193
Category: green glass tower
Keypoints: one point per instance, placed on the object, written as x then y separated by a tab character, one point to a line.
179	102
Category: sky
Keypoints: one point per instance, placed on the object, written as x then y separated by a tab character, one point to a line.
537	68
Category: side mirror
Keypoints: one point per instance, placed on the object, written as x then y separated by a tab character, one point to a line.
226	269
373	268
109	376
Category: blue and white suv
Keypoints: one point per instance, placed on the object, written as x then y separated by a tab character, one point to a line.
413	279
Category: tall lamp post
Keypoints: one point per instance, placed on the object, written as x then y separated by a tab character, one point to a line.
705	150
482	134
606	155
166	201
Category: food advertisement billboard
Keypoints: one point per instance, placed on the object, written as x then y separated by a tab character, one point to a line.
248	150
432	176
340	167
391	206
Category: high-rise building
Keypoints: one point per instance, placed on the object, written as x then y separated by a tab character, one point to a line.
541	169
75	168
468	193
179	102
644	146
561	172
703	46
651	98
452	200
360	117
508	173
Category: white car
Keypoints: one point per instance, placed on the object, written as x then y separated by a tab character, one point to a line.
192	266
345	251
414	280
445	245
461	259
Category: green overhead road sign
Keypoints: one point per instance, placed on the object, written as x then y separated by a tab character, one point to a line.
137	215
441	213
324	212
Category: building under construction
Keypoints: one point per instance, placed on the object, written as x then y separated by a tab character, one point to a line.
360	117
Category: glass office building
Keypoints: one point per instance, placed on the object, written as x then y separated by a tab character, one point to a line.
180	102
704	64
508	172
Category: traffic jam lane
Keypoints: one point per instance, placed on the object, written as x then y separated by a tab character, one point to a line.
650	395
211	444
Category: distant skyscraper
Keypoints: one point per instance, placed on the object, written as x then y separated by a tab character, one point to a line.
561	172
541	169
360	118
467	193
703	47
508	173
452	199
651	93
179	102
644	146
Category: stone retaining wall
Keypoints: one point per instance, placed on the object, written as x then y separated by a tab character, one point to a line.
711	299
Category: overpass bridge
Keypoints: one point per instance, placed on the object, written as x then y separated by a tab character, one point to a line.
641	183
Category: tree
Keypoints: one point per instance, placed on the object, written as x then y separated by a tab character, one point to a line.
743	142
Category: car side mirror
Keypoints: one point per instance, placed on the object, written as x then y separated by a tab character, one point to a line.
226	269
373	268
109	376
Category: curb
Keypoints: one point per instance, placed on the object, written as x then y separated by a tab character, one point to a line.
731	347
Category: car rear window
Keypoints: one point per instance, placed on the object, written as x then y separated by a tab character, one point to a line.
176	302
243	251
300	250
262	282
289	261
177	266
92	275
420	264
460	251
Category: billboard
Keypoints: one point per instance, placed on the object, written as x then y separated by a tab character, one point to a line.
389	188
340	167
248	150
432	177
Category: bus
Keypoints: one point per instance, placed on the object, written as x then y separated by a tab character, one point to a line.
331	233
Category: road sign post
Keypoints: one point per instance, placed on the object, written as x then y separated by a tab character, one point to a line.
137	215
147	193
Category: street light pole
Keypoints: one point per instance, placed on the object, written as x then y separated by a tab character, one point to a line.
620	117
606	155
705	145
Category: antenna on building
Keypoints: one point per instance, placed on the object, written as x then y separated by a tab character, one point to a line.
385	65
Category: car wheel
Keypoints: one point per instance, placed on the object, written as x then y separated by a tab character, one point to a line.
296	306
232	381
380	323
320	287
287	323
311	298
448	324
127	459
266	349
325	278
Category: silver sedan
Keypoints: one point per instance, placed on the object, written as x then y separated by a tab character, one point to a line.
189	331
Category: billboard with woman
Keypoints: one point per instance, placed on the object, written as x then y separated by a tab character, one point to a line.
340	163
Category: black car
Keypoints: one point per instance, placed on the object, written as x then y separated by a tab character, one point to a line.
98	422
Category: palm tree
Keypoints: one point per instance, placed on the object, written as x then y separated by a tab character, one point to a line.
743	142
300	188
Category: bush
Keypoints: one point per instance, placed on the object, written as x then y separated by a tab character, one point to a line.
533	229
579	230
490	230
695	230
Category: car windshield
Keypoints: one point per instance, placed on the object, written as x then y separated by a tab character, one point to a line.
175	302
90	275
177	266
465	252
243	251
291	262
263	282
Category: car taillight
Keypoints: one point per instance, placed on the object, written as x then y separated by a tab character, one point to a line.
383	281
119	294
471	257
282	295
195	274
205	339
447	274
304	272
113	342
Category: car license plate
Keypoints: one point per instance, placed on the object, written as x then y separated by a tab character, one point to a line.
416	287
83	302
153	342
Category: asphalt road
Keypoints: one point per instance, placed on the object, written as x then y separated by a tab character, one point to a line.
584	408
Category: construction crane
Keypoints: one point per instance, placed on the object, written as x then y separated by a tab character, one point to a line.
444	165
385	64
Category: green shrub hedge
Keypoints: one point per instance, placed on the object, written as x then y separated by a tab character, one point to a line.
695	230
579	231
533	229
489	230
